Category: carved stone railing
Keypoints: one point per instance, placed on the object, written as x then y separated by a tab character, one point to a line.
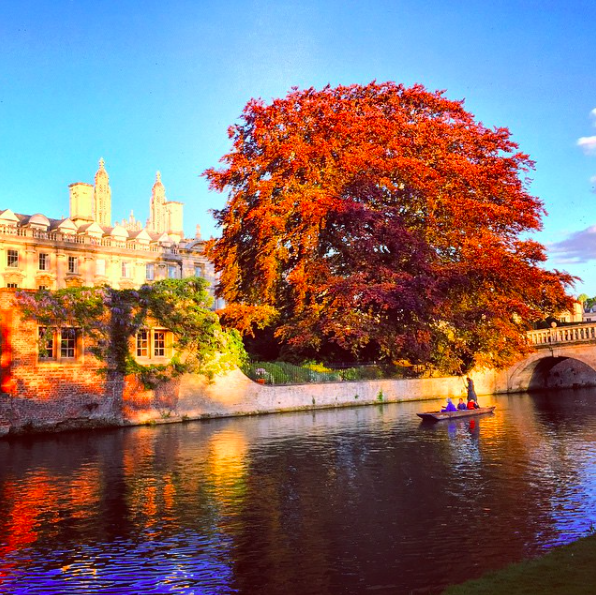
559	335
107	242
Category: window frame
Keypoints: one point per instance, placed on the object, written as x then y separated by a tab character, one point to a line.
73	265
102	272
126	269
142	342
12	259
159	344
63	345
153	344
48	353
43	261
68	343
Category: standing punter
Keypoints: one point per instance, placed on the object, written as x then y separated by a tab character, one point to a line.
472	396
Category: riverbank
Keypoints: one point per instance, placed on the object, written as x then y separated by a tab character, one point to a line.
567	570
195	397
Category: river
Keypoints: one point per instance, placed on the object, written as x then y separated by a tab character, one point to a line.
346	501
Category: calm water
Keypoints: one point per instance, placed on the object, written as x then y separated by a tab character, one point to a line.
351	501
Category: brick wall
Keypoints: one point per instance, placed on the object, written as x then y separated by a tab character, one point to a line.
51	395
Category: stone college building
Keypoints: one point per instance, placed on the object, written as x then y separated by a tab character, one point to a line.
60	385
38	252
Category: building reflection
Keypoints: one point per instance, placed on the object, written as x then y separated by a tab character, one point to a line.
271	504
37	503
156	469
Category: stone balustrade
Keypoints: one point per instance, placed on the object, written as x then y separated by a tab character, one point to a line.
563	334
107	242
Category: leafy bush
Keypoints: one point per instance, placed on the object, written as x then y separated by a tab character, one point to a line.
313	372
111	318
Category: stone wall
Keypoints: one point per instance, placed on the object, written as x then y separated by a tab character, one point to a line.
42	395
45	395
235	394
48	395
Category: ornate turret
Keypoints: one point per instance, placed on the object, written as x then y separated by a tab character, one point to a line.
165	216
131	224
102	197
158	214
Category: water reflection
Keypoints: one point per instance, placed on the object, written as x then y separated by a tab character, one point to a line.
339	501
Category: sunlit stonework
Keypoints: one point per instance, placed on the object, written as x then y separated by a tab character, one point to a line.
86	249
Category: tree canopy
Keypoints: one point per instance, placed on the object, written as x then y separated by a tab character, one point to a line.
385	221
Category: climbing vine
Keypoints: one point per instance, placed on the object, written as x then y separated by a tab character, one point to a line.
111	318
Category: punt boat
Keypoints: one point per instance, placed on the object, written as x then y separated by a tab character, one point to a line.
440	415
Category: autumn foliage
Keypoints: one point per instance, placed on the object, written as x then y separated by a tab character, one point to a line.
383	221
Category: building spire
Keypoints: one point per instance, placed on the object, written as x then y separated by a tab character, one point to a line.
102	196
158	211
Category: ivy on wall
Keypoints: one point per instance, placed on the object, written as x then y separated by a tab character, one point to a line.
112	317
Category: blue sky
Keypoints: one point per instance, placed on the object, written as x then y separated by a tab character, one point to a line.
154	86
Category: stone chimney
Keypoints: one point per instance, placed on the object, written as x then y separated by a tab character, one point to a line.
81	202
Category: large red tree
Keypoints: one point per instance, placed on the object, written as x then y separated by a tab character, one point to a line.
384	220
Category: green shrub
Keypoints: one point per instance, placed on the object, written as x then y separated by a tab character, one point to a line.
313	372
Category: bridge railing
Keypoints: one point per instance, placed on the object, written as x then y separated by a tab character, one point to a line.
563	334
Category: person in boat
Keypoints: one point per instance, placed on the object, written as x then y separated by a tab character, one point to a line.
450	406
461	404
473	405
472	396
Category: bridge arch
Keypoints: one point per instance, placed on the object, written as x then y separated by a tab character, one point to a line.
554	368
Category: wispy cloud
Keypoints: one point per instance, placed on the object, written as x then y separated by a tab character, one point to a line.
588	144
579	247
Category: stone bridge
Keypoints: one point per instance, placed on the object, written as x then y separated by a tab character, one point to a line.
565	357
